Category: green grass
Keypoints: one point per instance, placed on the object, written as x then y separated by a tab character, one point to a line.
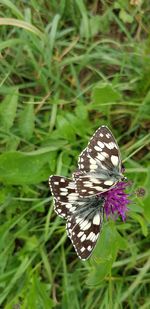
68	67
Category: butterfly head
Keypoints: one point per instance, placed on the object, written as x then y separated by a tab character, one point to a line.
123	178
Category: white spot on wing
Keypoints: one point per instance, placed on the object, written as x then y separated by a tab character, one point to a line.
97	148
114	160
73	196
96	219
85	225
71	185
80	234
108	182
62	180
93	166
83	237
63	193
100	157
105	154
91	236
110	145
88	184
98	188
92	161
63	189
100	144
68	205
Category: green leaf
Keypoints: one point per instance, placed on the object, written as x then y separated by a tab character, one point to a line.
104	93
104	254
19	168
121	242
125	17
141	221
8	110
65	129
81	110
26	121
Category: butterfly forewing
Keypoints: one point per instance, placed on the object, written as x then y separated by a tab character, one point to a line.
86	163
99	164
104	149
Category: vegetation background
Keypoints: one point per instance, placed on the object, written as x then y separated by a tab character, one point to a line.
68	67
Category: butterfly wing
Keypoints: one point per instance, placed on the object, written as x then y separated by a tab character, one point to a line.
98	164
103	148
63	191
86	163
84	215
92	184
84	227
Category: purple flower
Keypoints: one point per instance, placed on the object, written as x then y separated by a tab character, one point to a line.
116	200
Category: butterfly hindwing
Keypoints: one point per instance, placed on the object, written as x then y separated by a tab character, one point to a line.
63	190
84	227
84	215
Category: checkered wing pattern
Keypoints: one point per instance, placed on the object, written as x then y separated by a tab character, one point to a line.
86	163
98	164
84	215
63	191
85	225
103	148
92	184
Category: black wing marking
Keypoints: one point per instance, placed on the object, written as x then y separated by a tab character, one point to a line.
86	163
63	190
84	227
92	184
84	215
103	148
99	164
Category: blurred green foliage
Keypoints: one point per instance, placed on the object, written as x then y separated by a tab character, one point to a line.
68	67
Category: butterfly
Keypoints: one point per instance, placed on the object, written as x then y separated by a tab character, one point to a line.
80	201
99	164
84	216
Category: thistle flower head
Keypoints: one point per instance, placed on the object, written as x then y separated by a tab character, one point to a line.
116	201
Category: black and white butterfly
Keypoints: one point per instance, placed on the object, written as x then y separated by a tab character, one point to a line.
99	165
80	201
84	215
